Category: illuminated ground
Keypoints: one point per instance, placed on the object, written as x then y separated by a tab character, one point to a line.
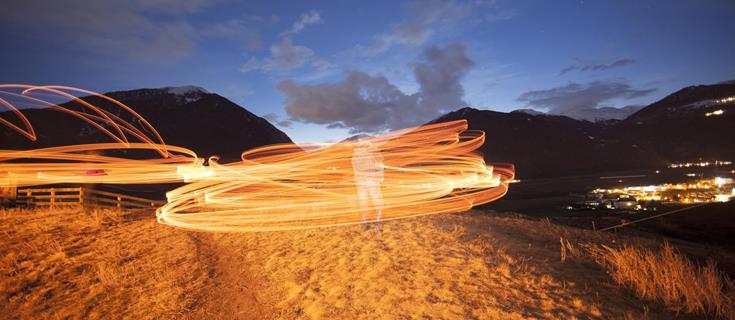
475	266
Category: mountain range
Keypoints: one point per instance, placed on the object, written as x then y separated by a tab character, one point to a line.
692	123
685	125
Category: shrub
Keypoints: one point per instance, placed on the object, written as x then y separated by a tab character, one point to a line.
668	277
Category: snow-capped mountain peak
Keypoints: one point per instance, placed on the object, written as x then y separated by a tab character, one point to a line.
185	90
187	93
601	114
529	112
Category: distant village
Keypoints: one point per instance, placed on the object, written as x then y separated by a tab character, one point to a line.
652	197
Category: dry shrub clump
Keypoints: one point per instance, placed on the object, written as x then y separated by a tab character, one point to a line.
669	277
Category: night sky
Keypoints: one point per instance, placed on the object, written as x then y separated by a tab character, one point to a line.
323	70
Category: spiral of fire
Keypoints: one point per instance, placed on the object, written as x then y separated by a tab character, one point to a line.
429	169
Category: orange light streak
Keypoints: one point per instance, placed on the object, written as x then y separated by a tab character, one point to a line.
429	169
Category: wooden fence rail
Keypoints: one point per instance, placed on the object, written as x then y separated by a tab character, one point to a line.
82	196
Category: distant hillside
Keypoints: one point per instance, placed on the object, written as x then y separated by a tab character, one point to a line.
542	145
188	117
686	124
675	128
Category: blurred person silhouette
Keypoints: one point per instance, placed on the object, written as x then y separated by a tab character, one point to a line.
367	166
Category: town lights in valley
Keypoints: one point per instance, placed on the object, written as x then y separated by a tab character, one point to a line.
704	190
726	100
720	181
716	163
714	113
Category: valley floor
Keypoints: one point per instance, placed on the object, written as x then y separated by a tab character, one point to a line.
65	263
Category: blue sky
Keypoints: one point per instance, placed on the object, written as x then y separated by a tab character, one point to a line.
323	70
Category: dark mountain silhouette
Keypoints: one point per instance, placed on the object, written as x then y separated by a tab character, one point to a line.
188	117
676	128
673	129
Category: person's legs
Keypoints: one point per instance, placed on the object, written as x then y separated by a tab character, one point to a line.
362	198
377	198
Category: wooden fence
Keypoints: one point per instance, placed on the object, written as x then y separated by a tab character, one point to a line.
82	196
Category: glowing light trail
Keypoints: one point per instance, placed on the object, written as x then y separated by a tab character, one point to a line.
427	170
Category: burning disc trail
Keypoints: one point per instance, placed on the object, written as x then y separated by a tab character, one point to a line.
429	169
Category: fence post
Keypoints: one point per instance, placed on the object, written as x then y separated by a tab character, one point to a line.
52	197
119	201
29	200
81	196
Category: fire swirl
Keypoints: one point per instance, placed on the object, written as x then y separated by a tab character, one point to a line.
429	169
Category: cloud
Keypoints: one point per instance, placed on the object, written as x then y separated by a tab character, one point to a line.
439	77
311	17
582	66
361	102
285	56
243	27
274	118
117	28
365	103
424	16
574	98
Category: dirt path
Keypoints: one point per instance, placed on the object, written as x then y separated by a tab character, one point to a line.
233	289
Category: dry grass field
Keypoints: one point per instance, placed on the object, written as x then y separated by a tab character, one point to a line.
68	263
64	263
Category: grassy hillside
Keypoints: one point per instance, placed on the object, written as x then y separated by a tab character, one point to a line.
69	263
